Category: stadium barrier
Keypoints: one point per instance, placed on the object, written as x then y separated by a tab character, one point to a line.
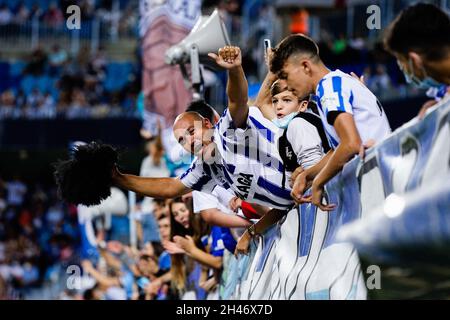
399	196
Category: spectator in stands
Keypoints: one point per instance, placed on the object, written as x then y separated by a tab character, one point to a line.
47	108
8	106
31	250
342	101
154	164
93	90
164	232
37	62
3	202
34	98
21	99
380	83
129	104
22	15
110	284
367	76
87	9
147	270
94	293
16	191
56	58
36	11
418	40
79	107
161	208
157	285
6	16
187	231
340	44
97	64
54	16
63	103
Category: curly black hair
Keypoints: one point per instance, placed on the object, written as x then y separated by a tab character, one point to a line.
86	178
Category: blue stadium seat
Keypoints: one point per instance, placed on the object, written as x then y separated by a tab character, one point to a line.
356	68
117	75
28	83
253	90
43	83
15	74
12	4
4	81
54	91
16	68
30	3
44	4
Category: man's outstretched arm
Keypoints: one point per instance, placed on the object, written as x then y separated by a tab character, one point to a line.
230	58
151	187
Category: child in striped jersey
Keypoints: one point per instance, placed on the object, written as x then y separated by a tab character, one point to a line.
351	114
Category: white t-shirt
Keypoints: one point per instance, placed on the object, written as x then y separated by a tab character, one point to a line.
219	198
16	192
305	141
248	163
340	92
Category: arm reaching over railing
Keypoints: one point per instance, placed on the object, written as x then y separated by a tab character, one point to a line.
150	187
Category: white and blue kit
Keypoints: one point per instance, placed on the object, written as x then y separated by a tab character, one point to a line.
248	163
339	92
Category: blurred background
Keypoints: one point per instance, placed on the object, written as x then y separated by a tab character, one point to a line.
59	85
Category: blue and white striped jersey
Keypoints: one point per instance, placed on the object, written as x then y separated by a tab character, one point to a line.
247	162
340	92
438	93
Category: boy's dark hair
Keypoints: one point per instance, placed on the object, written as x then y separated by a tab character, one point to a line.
202	108
291	45
423	28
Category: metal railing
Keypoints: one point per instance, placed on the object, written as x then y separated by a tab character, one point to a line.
92	33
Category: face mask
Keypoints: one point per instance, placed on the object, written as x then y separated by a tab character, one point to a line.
426	83
284	122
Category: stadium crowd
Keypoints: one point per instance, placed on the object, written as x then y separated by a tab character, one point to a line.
39	235
55	85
